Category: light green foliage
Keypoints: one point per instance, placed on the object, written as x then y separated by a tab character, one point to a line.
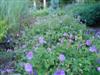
3	29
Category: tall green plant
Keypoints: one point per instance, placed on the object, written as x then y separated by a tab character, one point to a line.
12	10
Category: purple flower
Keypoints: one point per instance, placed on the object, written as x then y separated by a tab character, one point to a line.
61	57
98	69
9	70
59	72
28	67
29	55
41	40
88	42
92	49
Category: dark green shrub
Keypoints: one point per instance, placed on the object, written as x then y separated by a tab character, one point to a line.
91	14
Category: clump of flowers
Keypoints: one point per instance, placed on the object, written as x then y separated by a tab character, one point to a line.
61	57
28	68
88	43
93	49
9	70
59	72
29	55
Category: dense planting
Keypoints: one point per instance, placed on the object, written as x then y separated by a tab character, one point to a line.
58	46
54	43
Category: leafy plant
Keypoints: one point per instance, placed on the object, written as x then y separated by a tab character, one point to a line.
91	14
78	58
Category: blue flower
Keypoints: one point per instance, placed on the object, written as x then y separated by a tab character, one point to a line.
92	49
59	72
98	69
28	68
9	70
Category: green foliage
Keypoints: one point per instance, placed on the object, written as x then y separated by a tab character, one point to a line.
78	59
11	11
52	27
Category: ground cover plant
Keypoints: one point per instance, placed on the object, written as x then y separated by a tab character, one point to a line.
55	44
60	46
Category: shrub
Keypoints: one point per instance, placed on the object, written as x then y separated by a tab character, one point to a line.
91	14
